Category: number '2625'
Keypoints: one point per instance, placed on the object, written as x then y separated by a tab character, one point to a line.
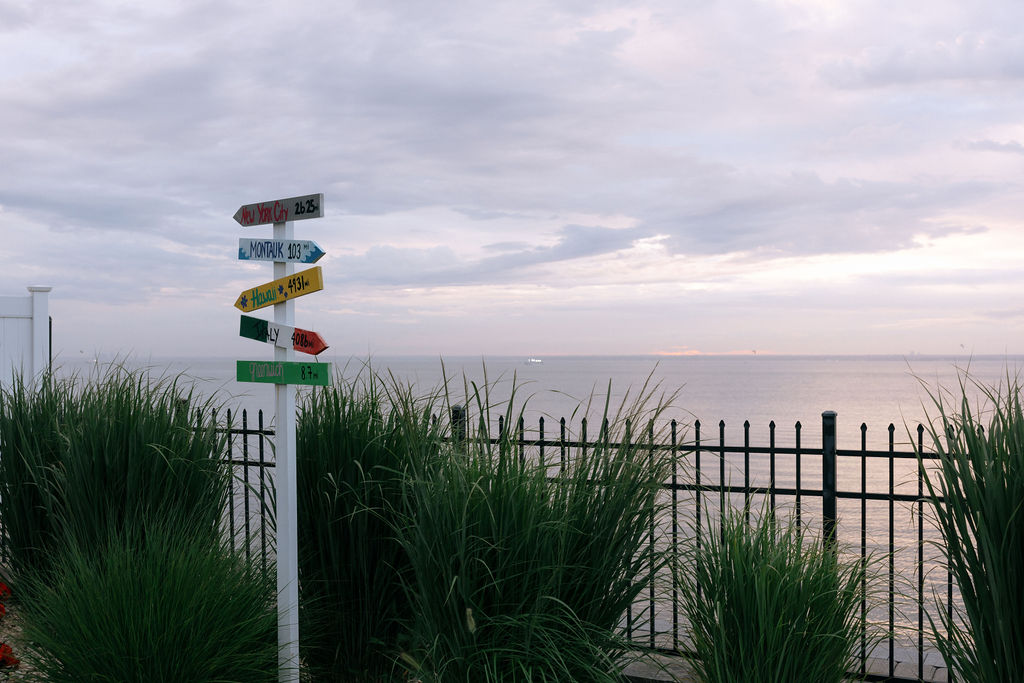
308	206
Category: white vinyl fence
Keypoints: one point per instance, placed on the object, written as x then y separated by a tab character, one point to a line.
24	334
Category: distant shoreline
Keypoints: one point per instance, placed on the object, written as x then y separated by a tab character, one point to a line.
966	358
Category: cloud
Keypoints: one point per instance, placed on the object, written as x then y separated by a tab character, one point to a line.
964	56
488	110
397	266
802	214
12	17
1011	147
464	148
1004	314
506	246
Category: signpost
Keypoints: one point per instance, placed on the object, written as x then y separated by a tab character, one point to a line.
297	251
281	290
284	372
280	210
286	337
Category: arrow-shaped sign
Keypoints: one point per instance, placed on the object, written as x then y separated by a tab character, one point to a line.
281	290
281	210
296	251
284	336
283	372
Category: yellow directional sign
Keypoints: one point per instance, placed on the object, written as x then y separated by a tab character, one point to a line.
281	290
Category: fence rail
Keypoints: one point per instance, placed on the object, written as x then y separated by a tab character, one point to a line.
817	479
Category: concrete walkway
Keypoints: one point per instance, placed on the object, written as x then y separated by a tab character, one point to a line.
669	669
664	669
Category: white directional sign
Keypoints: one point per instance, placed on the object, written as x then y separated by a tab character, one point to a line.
281	210
296	251
284	336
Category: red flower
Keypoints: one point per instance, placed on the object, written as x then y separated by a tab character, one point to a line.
7	658
4	590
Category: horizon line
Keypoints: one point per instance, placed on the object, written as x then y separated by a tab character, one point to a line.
113	356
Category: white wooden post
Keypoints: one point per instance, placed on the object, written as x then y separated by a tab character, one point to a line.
287	491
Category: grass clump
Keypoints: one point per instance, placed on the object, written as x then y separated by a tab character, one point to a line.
976	496
156	605
355	442
81	458
768	604
140	449
33	424
112	493
520	572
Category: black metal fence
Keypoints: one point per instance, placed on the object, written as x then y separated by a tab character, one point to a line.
251	502
870	502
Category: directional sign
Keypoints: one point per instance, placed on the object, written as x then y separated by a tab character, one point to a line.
283	372
281	290
281	335
296	251
281	210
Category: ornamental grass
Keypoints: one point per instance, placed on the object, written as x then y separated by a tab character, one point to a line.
80	458
769	603
33	420
112	492
356	442
520	571
155	604
975	489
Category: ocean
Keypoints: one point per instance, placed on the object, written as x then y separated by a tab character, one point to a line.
871	390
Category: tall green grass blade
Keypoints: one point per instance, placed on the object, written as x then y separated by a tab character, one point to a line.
768	604
33	419
976	492
138	451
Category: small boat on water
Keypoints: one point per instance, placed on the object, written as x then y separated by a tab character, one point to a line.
533	361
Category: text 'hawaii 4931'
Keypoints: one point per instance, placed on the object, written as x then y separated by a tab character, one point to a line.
281	290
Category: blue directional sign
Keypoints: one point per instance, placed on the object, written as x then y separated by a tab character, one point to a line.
295	251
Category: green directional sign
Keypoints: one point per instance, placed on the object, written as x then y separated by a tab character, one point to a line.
283	372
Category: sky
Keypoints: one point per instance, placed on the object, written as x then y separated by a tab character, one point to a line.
522	178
